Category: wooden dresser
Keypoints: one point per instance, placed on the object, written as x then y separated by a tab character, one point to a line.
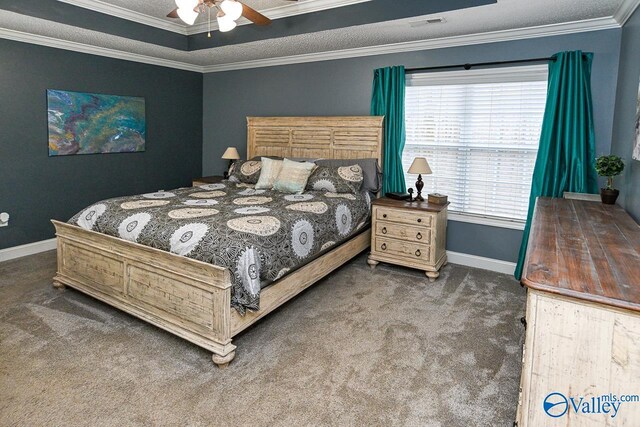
582	272
412	234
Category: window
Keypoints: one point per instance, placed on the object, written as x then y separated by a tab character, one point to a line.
479	130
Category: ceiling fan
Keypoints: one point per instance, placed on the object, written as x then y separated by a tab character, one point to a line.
227	12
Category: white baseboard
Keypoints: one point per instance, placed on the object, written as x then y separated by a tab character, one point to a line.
28	249
453	257
476	261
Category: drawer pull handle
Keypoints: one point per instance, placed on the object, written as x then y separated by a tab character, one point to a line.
383	247
418	253
384	230
419	219
384	215
419	236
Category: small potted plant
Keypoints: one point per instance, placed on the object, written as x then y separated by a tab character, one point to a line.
609	166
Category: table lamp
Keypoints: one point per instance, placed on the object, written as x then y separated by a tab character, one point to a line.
231	154
419	166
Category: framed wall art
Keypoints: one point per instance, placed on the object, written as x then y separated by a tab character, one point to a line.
89	123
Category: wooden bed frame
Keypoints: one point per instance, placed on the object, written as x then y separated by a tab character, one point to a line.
190	298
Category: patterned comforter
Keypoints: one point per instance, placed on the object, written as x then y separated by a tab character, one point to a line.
259	235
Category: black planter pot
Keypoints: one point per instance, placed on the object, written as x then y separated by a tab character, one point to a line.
608	196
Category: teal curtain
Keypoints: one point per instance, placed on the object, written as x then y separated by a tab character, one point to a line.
387	100
566	154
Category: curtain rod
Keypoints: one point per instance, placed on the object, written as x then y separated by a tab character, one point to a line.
483	64
480	64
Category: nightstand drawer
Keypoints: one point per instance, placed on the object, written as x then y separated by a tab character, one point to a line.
403	249
404	216
403	232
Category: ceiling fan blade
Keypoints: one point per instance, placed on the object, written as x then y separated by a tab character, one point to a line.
254	16
173	14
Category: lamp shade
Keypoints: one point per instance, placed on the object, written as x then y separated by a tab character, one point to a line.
420	166
232	9
231	154
225	23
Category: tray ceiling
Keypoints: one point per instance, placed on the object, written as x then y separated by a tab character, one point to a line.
244	47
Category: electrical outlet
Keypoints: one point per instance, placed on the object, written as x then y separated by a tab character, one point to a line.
4	219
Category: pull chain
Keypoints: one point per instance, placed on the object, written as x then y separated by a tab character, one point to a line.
209	25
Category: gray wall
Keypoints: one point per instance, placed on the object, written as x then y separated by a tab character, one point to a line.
623	132
343	87
35	188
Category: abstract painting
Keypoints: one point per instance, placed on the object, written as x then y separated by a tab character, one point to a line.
636	148
89	123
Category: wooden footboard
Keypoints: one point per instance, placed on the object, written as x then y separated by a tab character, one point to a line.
186	297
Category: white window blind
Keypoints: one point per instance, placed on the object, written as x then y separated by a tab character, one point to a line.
479	131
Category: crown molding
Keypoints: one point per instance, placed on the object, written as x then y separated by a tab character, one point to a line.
439	43
129	15
293	9
625	11
95	50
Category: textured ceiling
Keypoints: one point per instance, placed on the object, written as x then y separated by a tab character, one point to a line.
504	15
160	8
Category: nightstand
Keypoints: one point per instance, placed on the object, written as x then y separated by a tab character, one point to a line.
207	180
411	234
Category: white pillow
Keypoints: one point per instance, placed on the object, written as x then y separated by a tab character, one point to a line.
270	170
293	176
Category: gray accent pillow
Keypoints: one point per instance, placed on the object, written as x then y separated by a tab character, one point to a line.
247	171
336	179
370	170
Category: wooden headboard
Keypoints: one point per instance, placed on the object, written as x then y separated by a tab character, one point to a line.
348	137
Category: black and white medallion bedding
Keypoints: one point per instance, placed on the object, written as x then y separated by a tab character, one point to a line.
259	235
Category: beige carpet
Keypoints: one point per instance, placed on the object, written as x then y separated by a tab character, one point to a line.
362	347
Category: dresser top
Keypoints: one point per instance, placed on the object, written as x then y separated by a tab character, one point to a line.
403	204
585	250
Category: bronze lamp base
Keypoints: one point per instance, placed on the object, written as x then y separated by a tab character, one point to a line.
419	185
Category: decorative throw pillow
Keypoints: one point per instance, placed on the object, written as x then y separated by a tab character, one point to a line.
336	179
270	170
246	171
293	176
370	171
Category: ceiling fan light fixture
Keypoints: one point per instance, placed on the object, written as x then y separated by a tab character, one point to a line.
188	16
231	9
225	23
187	4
